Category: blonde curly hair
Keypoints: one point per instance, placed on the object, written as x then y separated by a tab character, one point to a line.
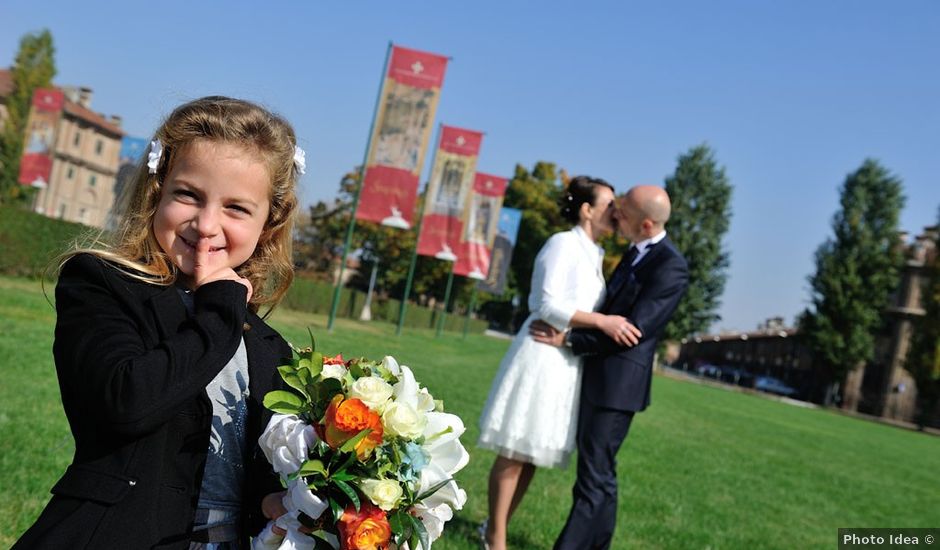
133	246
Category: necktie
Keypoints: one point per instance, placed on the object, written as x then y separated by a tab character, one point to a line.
623	271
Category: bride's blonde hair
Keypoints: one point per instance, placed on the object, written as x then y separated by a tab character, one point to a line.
133	247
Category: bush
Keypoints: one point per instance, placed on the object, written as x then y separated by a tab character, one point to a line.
314	296
30	242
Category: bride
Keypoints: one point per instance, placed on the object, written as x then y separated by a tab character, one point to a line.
529	418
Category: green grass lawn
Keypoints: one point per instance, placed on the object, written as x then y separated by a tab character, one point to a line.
702	468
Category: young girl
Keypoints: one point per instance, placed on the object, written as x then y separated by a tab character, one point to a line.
162	359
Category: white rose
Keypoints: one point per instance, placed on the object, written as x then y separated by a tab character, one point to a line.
384	493
373	391
403	420
285	443
333	371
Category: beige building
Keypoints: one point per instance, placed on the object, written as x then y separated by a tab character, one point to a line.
882	387
85	156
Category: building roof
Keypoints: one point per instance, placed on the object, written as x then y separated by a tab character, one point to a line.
71	108
91	117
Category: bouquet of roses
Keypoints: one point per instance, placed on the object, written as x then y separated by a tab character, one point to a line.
367	456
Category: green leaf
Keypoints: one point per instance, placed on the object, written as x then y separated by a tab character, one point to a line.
324	536
343	476
316	364
336	508
434	489
350	445
313	341
355	369
422	532
291	378
328	388
347	490
400	526
283	402
313	466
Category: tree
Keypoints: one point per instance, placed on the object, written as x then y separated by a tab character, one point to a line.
856	272
923	358
701	214
34	68
536	194
319	246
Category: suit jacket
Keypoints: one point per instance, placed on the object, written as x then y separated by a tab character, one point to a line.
620	377
133	366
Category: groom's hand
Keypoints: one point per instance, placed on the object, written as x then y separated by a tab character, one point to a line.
546	334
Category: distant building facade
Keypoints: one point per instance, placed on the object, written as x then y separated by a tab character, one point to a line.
85	151
882	387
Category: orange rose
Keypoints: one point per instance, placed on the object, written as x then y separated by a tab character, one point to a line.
338	360
347	417
367	529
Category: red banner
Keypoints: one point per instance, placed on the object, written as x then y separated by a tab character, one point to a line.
36	163
481	223
408	103
450	186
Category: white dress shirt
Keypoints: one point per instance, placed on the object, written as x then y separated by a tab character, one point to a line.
642	247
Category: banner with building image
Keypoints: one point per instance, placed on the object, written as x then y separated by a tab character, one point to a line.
449	188
480	225
44	113
501	252
402	129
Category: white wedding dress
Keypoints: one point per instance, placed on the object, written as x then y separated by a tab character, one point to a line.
531	412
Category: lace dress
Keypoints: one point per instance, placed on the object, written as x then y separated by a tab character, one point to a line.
531	412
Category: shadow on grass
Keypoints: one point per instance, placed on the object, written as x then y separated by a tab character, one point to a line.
464	528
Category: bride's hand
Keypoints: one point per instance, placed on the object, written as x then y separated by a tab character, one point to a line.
620	330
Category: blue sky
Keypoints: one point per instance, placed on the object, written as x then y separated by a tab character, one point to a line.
792	95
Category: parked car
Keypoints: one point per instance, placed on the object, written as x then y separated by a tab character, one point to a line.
737	376
711	371
770	384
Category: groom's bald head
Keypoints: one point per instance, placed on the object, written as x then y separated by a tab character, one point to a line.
643	212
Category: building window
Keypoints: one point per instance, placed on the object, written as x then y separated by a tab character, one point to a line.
70	173
82	214
77	139
61	211
92	180
99	145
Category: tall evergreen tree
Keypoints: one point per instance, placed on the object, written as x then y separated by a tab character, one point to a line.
701	214
923	359
856	272
34	68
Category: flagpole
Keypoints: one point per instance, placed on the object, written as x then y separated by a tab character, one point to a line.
414	254
450	284
473	303
355	204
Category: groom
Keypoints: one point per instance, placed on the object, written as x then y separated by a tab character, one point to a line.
645	288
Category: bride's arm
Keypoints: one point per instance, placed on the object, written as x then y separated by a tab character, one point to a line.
550	279
616	327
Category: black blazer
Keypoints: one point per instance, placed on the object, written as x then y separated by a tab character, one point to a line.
620	377
133	367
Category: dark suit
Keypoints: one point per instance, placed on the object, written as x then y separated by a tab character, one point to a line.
616	384
132	368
